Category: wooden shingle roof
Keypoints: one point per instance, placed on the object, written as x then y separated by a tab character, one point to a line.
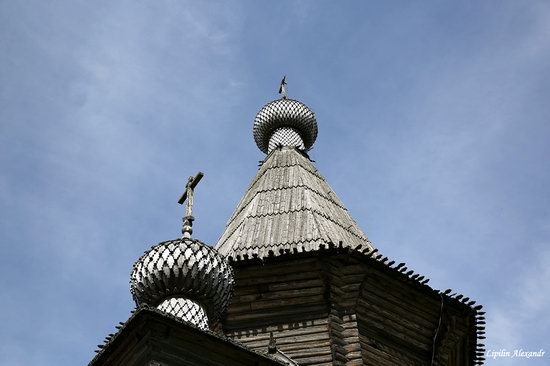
288	207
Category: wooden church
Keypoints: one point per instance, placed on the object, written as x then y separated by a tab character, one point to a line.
293	280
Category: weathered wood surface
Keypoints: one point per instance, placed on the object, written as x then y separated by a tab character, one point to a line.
288	206
338	310
150	337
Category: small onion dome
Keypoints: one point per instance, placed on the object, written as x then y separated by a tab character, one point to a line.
285	122
181	277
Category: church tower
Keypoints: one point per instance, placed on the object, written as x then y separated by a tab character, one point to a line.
293	280
306	274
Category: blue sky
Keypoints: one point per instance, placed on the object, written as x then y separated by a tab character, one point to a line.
434	130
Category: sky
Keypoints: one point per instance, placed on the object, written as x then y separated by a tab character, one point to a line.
434	130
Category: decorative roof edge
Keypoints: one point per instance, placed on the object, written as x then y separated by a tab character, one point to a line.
111	338
381	262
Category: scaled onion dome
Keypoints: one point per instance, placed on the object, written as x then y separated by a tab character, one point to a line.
285	122
185	278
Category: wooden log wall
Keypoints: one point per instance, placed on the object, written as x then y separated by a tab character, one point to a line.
342	276
398	323
397	326
338	310
287	299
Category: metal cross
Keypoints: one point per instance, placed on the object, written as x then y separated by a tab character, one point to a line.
188	195
282	87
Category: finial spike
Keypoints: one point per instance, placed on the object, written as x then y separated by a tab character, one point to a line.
272	346
188	219
282	87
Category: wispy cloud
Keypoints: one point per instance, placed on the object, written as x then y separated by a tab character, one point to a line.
91	97
433	125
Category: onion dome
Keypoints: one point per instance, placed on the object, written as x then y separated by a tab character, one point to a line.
285	122
184	277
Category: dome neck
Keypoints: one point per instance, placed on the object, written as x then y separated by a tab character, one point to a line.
185	309
285	137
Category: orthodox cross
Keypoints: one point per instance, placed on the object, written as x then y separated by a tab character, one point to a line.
282	87
192	182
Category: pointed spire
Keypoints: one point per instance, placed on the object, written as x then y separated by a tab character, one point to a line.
289	207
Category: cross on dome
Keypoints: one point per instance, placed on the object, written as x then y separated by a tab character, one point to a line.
188	219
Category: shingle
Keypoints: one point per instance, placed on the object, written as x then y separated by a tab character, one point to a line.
288	205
